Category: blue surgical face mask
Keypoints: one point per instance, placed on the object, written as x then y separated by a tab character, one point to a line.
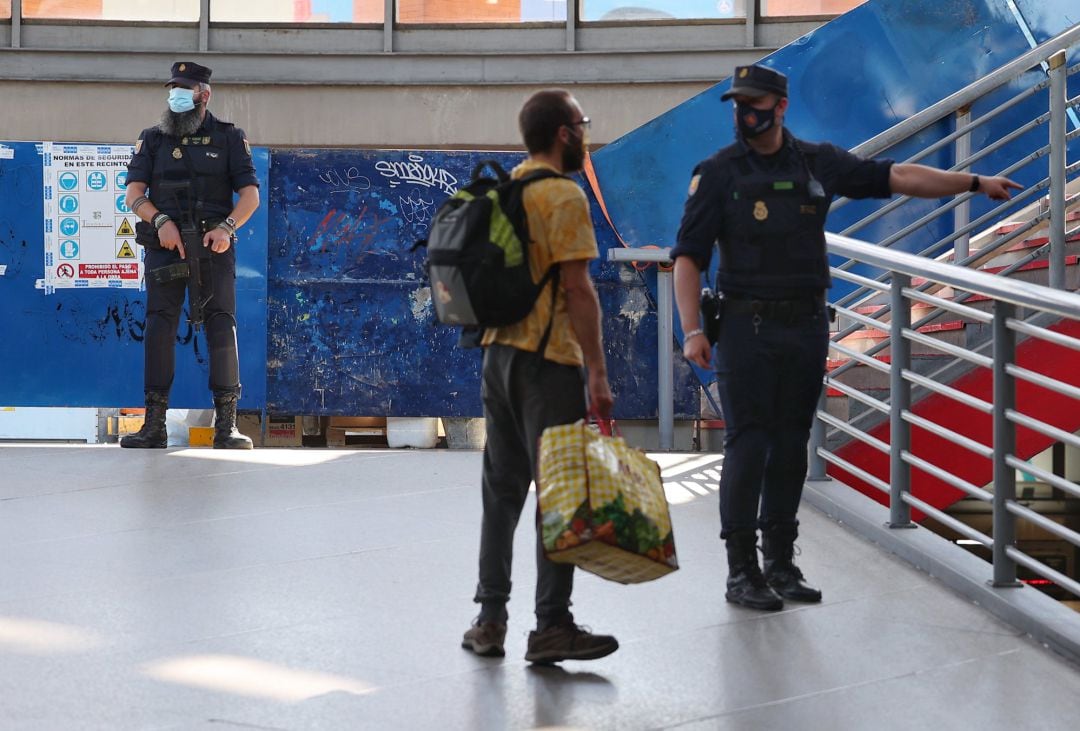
181	99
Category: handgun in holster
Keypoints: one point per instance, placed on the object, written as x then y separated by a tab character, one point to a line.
191	233
712	312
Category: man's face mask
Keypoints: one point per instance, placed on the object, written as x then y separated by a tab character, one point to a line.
754	122
181	99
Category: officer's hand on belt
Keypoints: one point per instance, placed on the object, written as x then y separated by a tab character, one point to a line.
169	236
218	239
696	348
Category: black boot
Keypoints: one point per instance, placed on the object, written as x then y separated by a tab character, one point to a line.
152	435
226	435
746	585
780	569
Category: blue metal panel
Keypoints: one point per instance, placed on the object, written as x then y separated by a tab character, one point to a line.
84	347
352	329
849	80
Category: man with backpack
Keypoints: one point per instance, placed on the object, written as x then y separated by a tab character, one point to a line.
533	379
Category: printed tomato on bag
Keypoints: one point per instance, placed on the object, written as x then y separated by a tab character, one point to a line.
602	506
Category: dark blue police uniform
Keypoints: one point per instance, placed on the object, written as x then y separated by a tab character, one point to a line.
765	216
220	158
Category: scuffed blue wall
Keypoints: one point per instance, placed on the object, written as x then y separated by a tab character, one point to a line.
352	328
84	347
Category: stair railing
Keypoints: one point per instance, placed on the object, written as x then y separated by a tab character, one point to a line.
1045	312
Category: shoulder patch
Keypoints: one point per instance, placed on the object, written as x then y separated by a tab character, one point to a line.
694	182
247	146
138	146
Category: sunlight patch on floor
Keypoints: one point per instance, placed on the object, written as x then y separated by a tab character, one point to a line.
252	678
37	637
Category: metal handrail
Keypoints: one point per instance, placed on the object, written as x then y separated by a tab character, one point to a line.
1064	304
1007	297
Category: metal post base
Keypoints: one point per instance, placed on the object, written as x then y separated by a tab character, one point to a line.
1005	584
905	526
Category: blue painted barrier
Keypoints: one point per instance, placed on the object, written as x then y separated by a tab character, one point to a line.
83	347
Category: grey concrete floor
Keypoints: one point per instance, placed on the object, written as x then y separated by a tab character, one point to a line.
323	589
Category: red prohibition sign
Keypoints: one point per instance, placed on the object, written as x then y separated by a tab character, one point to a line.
66	271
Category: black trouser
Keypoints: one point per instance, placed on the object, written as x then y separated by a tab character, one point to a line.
523	394
164	303
769	371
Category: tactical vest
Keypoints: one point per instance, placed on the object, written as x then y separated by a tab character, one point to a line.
208	157
773	237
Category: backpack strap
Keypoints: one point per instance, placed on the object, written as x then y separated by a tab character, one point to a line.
551	275
553	272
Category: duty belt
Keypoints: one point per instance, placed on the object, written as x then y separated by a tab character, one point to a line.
775	309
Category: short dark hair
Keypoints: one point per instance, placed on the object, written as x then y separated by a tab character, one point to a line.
541	117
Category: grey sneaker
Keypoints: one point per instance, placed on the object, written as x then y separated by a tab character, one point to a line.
568	641
485	638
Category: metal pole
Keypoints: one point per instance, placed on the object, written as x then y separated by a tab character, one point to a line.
571	24
1057	170
900	391
665	332
962	213
751	22
1004	445
817	439
16	23
388	26
204	26
665	365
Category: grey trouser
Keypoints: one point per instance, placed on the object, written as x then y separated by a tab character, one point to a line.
523	394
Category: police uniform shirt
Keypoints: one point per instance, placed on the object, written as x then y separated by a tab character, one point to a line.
206	158
714	180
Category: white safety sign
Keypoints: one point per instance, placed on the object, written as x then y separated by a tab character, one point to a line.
89	231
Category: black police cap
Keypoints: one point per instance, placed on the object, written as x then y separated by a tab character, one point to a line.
189	73
755	81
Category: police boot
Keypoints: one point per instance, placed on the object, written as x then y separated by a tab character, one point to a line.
746	585
226	435
152	435
780	569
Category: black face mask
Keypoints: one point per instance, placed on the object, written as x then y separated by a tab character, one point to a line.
754	122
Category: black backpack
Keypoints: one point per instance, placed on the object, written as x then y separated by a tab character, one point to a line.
478	252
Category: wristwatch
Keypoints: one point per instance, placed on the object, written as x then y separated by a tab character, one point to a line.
228	225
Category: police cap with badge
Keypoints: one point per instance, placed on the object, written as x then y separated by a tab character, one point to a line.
756	81
188	74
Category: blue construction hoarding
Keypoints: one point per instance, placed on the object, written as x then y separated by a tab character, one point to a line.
335	316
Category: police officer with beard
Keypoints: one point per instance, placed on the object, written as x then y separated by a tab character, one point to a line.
192	164
762	203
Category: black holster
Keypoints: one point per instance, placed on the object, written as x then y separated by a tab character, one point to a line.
712	312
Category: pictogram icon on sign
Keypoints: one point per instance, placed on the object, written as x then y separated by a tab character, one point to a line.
69	203
69	226
96	180
68	181
125	251
69	249
121	204
125	229
65	271
121	179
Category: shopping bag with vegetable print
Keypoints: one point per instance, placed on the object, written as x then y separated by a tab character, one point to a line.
602	506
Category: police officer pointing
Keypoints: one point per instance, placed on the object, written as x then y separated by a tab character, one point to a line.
192	163
762	202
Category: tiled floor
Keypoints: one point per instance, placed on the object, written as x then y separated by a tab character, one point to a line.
319	589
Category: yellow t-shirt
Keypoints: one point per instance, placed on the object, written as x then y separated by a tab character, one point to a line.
561	230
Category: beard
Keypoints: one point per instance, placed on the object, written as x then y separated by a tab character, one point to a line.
180	124
573	158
